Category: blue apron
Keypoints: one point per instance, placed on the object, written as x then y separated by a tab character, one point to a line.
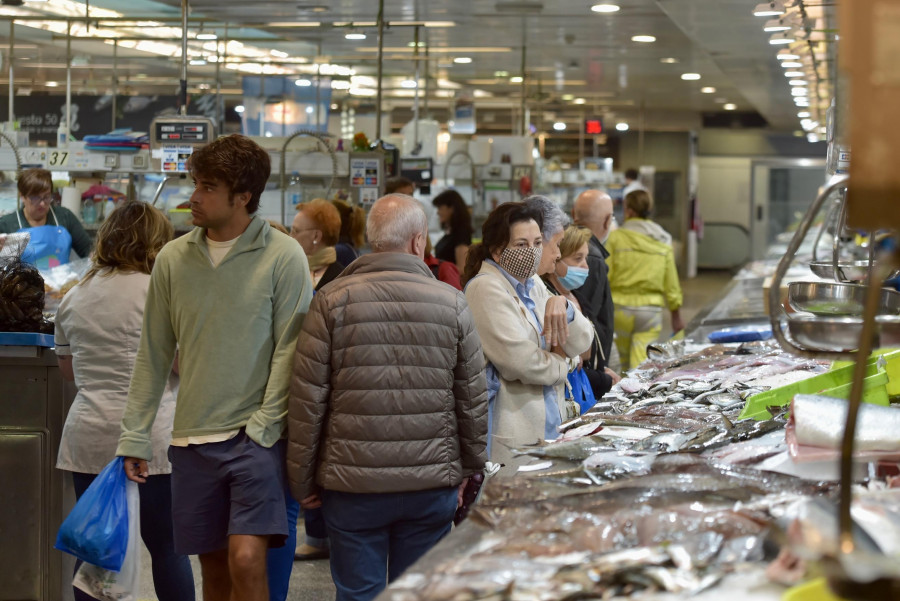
49	245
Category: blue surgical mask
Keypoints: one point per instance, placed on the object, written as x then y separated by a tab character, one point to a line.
574	278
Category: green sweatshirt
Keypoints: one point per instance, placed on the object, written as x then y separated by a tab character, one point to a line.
236	328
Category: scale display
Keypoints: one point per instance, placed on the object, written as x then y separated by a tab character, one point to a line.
174	139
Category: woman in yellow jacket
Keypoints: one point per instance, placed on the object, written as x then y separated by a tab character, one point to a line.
643	280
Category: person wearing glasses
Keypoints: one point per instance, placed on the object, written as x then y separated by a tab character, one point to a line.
55	231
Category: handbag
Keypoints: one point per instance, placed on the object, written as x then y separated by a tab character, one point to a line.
580	388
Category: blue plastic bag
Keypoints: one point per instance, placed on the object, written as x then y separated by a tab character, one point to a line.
96	531
582	392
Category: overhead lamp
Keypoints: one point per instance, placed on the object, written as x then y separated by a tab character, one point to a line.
690	76
559	126
791	65
768	9
799	92
207	35
798	82
605	8
730	106
355	36
708	90
197	62
812	138
239	108
278	53
501	73
668	60
621	126
415	45
776	25
787	55
794	73
340	84
780	39
302	83
516	79
408	83
462	60
803	114
578	101
644	39
52	84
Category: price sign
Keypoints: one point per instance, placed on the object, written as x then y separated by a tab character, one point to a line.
57	158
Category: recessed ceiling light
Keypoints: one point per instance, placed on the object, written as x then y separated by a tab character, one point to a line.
799	92
309	110
413	44
515	79
568	97
355	36
803	114
690	76
334	106
798	82
645	39
605	8
794	73
791	65
729	107
462	60
408	83
622	126
559	126
708	90
501	73
302	83
579	101
52	84
340	84
668	60
239	108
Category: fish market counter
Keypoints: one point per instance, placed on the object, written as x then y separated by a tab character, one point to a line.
34	399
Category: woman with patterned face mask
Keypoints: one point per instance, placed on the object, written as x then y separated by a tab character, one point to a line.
528	357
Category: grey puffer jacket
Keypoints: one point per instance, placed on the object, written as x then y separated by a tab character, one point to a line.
388	390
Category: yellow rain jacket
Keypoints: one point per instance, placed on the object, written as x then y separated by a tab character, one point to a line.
642	268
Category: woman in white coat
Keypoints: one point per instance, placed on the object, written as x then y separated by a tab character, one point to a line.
530	338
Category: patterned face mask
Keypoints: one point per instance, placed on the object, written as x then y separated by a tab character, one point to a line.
521	263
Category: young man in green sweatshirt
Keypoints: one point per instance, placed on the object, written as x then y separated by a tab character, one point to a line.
231	296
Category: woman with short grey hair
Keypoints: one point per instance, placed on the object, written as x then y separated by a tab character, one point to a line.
555	222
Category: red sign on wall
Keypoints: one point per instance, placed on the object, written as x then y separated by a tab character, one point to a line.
593	127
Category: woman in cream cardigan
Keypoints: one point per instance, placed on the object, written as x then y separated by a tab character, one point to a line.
530	338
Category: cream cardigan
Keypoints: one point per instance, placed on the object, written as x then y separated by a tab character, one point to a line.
512	343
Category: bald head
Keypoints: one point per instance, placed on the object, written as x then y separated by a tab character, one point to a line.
593	209
397	223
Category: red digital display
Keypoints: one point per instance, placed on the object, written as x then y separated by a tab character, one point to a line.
593	127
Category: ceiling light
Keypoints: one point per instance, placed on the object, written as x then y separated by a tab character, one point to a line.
798	82
791	65
622	126
768	9
293	24
302	83
52	84
775	25
355	36
645	39
690	76
605	8
794	73
559	126
729	107
334	106
568	97
207	35
516	79
782	38
668	60
413	44
803	114
278	53
239	108
198	62
340	84
408	83
579	101
787	55
309	110
708	90
501	73
462	60
812	138
799	92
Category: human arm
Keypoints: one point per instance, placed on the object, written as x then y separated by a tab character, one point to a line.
62	347
459	253
449	274
470	392
677	321
65	367
310	389
672	288
580	332
558	312
81	241
292	292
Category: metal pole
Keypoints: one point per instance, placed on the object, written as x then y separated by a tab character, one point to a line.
641	135
12	45
68	78
184	57
427	75
319	97
416	97
522	125
218	87
115	81
222	60
380	68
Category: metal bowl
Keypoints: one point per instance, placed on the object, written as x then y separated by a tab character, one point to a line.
840	334
834	299
848	271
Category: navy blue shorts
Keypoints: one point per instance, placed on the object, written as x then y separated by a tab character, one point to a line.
225	488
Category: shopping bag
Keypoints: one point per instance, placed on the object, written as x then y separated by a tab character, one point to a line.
122	585
96	530
581	390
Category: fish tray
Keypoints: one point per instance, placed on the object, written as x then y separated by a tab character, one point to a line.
834	299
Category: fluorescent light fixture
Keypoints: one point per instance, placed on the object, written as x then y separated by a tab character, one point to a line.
729	107
798	82
812	138
355	91
775	25
207	35
644	39
794	73
568	97
239	108
808	124
559	126
340	84
462	60
408	83
197	62
791	65
768	9
799	92
413	44
278	53
787	55
516	79
302	83
621	126
690	76
52	84
605	8
501	73
780	39
708	90
578	101
668	60
292	24
355	36
803	114
309	110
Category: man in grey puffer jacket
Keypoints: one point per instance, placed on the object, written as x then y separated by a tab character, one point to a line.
388	406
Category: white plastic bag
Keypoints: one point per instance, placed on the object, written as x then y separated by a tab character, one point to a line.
123	585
